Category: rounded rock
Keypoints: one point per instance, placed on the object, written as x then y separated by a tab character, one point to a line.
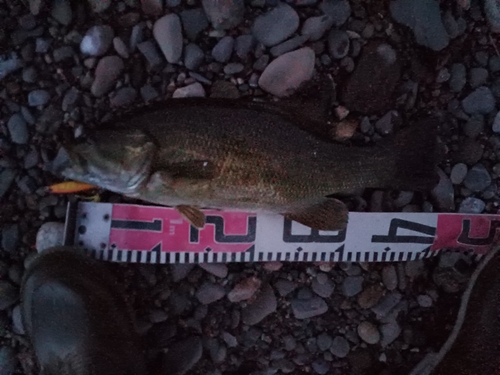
368	332
338	44
472	205
224	15
18	129
288	72
168	34
496	124
193	56
276	25
38	97
315	27
49	235
458	173
457	77
477	179
107	72
340	347
223	49
97	40
195	90
479	102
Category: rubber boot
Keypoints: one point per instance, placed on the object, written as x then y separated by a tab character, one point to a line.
76	318
473	347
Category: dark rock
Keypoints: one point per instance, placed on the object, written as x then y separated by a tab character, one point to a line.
38	97
315	27
193	56
148	93
276	25
474	126
324	341
288	45
8	360
61	11
9	295
264	304
477	179
120	47
224	14
480	101
63	53
338	10
338	44
320	366
18	129
7	176
243	45
469	152
233	68
457	77
223	49
340	347
478	77
107	72
99	6
224	89
97	40
285	287
372	84
168	34
151	53
182	356
472	205
152	7
210	292
492	11
386	304
308	308
352	285
194	22
458	173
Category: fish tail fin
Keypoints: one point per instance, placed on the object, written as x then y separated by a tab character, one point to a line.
414	153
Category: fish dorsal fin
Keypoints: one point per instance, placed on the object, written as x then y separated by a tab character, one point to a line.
328	214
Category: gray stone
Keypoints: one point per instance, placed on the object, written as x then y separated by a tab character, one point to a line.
193	56
42	45
107	72
324	290
151	53
338	44
480	101
49	235
210	292
148	93
288	72
8	295
35	6
443	193
288	45
458	173
385	124
180	271
223	49
443	75
320	366
340	347
229	339
7	176
120	47
261	63
136	36
99	6
194	22
97	40
451	25
494	64
390	332
243	45
27	22
70	98
264	304
224	15
478	77
233	68
276	25
38	97
9	66
390	277
152	7
386	304
8	359
194	90
123	96
18	129
472	205
496	123
308	308
244	290
182	356
61	11
424	18
338	10
368	332
352	285
474	126
324	341
168	34
492	11
224	89
157	316
285	287
63	53
478	178
457	77
424	300
315	27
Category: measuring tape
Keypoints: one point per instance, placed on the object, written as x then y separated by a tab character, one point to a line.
152	234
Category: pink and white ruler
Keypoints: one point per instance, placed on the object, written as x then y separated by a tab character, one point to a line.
152	234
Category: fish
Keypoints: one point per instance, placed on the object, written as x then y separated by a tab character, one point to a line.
197	153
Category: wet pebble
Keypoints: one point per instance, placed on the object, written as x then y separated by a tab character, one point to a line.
194	22
496	123
244	290
338	44
472	205
385	124
492	11
209	292
194	90
338	10
224	14
223	49
107	72
17	323
120	47
233	68
180	271
320	366
63	53
368	332
285	287
474	126
168	34
389	332
370	296
8	295
477	179
193	56
390	277
99	6
61	11
49	235
288	72
480	101
148	93
458	173
308	308
386	304
324	341
97	40
340	347
151	53
424	300
7	176
264	304
123	96
288	45
315	27
152	7
352	285
38	97
243	45
457	77
18	129
276	25
9	66
443	75
478	77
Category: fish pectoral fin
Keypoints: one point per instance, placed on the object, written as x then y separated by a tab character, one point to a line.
192	214
328	214
193	169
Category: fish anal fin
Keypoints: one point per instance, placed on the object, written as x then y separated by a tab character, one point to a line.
192	214
329	214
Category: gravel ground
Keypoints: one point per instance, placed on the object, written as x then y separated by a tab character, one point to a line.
66	67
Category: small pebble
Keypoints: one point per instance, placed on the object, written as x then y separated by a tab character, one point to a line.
97	40
368	333
194	90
